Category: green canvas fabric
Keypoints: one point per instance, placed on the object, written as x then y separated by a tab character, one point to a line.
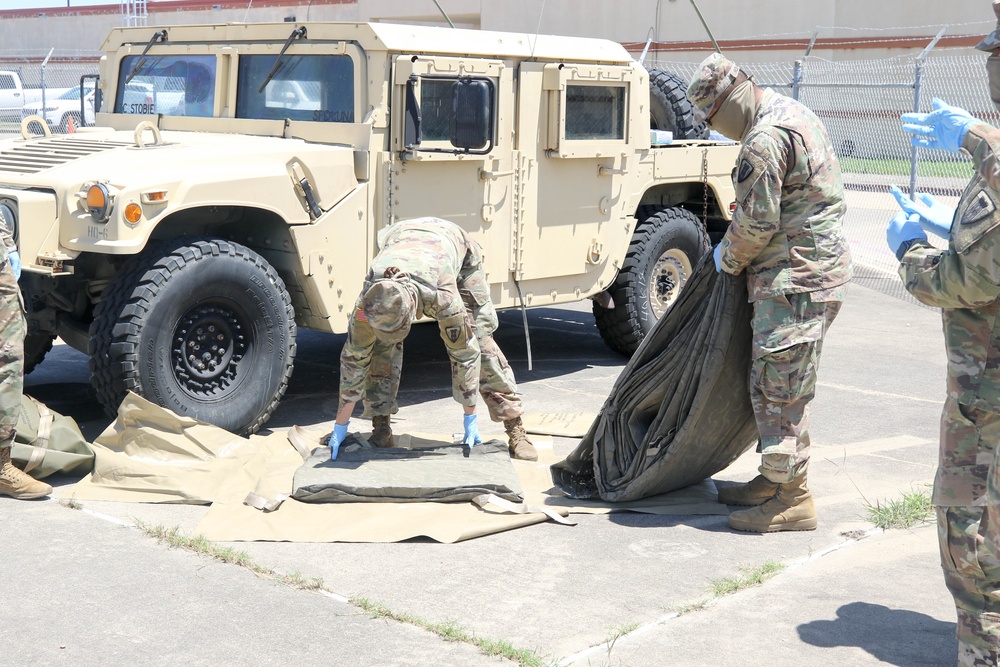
60	449
444	473
680	410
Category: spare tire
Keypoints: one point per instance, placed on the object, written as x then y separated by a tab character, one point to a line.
669	107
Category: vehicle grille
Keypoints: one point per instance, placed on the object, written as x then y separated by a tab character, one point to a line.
35	156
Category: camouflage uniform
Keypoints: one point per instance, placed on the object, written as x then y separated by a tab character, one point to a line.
787	232
964	281
445	267
12	330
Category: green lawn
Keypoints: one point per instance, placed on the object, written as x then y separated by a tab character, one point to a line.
943	169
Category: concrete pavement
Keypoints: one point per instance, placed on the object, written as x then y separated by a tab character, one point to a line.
848	595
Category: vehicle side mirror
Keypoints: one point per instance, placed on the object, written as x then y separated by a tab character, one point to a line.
472	114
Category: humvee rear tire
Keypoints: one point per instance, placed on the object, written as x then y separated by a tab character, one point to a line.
36	346
669	107
664	249
202	327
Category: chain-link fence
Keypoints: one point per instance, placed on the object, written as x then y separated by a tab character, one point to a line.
860	102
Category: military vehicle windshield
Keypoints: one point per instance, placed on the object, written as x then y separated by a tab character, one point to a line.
172	85
312	88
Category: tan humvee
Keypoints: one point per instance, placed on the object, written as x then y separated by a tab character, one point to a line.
237	176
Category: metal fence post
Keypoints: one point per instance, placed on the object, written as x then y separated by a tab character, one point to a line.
917	76
44	63
796	78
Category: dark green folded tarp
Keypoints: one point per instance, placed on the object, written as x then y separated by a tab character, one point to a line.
444	473
680	410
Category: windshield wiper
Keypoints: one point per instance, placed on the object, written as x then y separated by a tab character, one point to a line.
160	36
298	33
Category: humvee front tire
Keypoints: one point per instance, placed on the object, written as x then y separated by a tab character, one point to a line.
202	327
664	249
670	109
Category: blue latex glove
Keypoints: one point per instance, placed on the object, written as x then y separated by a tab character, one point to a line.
471	436
717	256
337	437
15	263
903	228
935	217
944	128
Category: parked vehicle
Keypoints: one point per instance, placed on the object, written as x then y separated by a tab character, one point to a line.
232	191
14	96
60	109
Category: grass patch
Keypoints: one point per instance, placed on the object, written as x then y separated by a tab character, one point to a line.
894	167
71	503
451	631
688	607
199	545
747	578
912	509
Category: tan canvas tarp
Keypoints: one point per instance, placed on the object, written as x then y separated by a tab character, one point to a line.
151	455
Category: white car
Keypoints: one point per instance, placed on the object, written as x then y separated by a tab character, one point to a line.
60	106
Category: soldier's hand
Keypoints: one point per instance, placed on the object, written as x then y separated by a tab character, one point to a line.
944	128
903	229
15	263
471	436
935	217
337	437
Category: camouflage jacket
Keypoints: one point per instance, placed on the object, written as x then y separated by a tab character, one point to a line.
445	264
787	231
964	281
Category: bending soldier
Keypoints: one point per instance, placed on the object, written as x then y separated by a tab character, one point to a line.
427	267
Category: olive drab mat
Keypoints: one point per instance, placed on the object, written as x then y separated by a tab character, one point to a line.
680	410
47	442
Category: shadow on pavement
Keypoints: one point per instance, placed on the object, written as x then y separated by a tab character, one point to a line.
890	635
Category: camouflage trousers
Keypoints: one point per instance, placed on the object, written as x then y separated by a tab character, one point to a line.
496	379
12	330
788	335
969	538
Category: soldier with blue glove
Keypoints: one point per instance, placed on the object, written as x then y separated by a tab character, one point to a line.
964	281
427	267
787	235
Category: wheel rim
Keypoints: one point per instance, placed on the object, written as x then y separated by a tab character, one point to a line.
209	345
670	272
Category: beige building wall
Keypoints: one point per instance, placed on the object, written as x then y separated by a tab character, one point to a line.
750	30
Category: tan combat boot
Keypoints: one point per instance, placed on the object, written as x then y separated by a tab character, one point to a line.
517	441
381	432
791	509
15	483
755	492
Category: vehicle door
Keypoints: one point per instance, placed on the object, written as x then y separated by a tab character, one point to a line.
11	96
452	150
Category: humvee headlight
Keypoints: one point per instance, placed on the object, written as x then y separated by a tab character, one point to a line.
132	212
99	202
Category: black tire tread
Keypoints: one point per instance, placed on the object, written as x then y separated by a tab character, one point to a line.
113	332
669	91
619	326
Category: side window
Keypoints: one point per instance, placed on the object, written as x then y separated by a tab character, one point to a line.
595	112
311	88
451	115
7	82
171	85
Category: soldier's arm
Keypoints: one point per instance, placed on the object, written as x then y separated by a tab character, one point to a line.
982	141
758	177
948	279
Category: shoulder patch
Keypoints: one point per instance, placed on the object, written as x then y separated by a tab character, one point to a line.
980	207
360	316
744	170
453	332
